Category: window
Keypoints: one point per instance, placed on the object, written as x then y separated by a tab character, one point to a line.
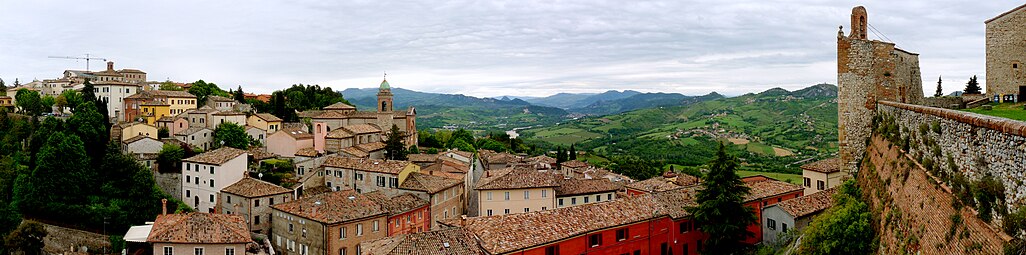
256	219
598	198
544	208
168	250
820	185
807	182
560	202
359	229
1015	65
545	193
229	251
188	179
686	227
506	211
342	251
573	201
256	203
408	218
211	167
188	193
771	224
375	226
585	200
507	195
783	227
197	251
291	227
595	240
270	201
211	198
527	194
211	183
552	250
341	233
229	198
527	209
489	195
621	234
489	212
188	167
380	181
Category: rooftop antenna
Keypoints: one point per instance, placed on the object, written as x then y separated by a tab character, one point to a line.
385	77
88	57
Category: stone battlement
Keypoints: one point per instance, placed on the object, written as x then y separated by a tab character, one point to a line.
1004	125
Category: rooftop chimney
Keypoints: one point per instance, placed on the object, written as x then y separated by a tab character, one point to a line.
110	65
463	220
163	205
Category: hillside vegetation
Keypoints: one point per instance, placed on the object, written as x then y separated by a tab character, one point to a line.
769	130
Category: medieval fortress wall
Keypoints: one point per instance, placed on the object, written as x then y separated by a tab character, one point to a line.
1006	54
876	78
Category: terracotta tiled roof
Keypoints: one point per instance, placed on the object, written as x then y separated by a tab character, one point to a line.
764	188
267	117
674	203
830	165
541	159
397	205
453	161
218	156
491	157
422	158
447	167
199	228
515	178
260	154
154	103
810	204
451	241
309	113
229	113
339	106
340	133
428	183
513	232
369	165
353	151
574	187
296	133
363	128
370	147
250	187
192	130
220	99
308	152
172	93
574	164
329	115
333	207
465	154
654	184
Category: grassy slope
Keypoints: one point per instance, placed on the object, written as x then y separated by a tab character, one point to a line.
1007	110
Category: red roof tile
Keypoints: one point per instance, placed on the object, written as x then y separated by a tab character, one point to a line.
199	228
333	207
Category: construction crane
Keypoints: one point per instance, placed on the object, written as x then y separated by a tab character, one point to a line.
87	58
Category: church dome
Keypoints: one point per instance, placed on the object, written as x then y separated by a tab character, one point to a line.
384	85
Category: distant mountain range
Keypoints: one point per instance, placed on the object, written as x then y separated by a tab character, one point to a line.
578	100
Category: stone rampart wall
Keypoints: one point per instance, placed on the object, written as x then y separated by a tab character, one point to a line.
977	144
944	102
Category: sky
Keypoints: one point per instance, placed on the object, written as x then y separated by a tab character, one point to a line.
488	48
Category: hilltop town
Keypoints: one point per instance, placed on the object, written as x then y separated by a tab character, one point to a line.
109	162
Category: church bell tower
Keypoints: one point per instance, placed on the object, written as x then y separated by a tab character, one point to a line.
384	97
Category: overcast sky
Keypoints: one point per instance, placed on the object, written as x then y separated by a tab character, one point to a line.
487	48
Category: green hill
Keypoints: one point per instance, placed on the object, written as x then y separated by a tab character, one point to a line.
768	130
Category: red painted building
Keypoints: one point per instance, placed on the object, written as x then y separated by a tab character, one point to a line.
407	213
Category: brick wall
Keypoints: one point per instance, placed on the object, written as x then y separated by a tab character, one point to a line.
915	210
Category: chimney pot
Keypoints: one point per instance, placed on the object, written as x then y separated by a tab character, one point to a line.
163	205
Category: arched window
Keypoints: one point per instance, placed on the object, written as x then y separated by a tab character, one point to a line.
383	104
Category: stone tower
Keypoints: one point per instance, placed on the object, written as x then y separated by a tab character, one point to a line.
867	71
384	97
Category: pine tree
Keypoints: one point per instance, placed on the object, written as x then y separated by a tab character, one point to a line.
394	146
721	207
940	92
239	95
972	87
560	155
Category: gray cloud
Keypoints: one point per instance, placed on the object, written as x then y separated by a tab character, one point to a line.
487	48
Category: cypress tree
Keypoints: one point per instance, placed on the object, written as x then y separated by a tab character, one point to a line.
573	152
940	92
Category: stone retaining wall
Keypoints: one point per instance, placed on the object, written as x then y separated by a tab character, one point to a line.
978	144
170	183
944	102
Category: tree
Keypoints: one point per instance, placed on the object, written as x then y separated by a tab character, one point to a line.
560	155
163	132
73	98
90	125
461	134
464	146
3	88
170	86
28	238
940	92
972	87
46	104
845	228
414	150
17	83
635	167
88	92
29	102
202	90
129	193
395	149
231	135
573	152
61	102
489	144
721	207
59	185
239	95
169	158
